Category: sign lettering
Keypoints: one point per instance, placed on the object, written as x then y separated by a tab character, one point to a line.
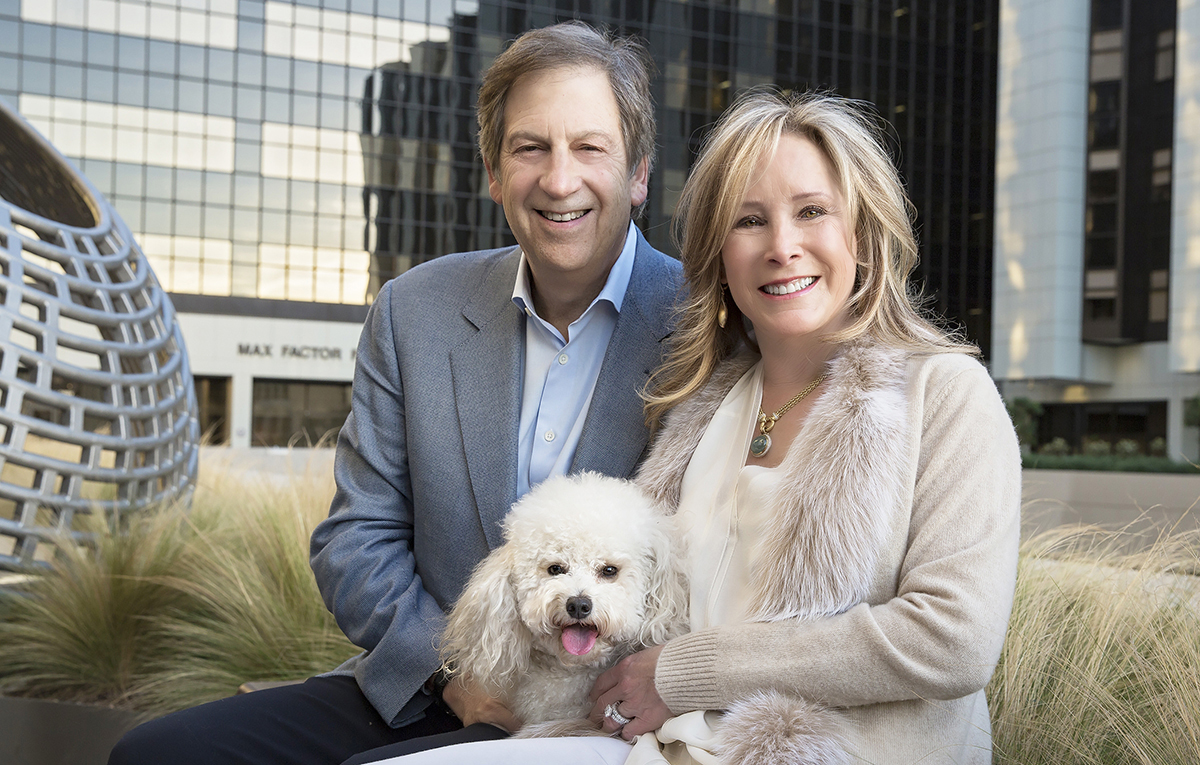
311	352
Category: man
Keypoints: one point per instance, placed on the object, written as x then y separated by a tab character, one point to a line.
478	375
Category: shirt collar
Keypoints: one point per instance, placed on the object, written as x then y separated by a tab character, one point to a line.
614	287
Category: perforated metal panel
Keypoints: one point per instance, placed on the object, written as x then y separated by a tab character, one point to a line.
97	408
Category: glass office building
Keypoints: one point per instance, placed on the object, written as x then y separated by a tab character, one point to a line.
1097	304
279	160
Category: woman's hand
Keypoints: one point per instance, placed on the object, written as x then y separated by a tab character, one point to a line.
472	705
630	685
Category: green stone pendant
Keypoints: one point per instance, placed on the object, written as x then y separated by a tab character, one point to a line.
760	445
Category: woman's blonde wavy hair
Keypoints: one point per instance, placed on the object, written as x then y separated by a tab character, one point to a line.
852	138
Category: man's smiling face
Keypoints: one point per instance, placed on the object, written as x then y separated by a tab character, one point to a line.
564	179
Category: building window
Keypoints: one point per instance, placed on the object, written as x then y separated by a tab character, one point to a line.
1100	309
1159	283
1160	176
1103	184
1164	61
298	413
1108	56
1101	283
1140	423
212	397
1102	218
1104	102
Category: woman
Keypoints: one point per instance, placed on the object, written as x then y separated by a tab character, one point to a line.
844	473
847	478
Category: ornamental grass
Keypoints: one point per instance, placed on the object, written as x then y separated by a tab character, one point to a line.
1102	659
182	606
1101	663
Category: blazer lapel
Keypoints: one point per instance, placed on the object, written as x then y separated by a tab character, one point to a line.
614	434
486	370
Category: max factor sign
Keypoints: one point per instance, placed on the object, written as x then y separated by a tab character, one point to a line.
285	351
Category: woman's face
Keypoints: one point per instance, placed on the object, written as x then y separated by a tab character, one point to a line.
789	260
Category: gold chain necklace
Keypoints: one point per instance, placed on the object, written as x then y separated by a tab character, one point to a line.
762	442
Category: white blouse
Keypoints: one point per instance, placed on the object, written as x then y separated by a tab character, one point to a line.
724	506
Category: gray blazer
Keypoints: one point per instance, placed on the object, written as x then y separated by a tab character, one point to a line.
426	463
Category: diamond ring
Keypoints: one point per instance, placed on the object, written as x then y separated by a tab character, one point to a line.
611	713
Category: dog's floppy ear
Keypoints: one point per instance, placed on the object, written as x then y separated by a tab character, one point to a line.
666	601
484	636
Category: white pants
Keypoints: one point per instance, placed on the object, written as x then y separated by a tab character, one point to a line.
584	750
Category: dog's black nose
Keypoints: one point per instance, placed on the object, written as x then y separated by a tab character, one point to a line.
579	607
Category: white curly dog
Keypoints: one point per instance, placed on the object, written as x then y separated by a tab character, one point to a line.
586	576
590	571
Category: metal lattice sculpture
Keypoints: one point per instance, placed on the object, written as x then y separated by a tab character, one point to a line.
97	408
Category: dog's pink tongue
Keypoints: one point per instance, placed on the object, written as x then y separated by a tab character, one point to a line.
578	639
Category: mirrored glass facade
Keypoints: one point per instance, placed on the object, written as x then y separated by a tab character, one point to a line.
308	150
1131	120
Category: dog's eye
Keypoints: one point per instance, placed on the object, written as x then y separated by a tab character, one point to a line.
556	569
608	572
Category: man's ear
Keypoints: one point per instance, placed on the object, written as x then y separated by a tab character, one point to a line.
639	183
494	189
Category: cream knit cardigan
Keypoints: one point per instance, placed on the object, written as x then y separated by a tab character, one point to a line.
888	576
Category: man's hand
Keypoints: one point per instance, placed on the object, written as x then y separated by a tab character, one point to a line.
630	685
471	705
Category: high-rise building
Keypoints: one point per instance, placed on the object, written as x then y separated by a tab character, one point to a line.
279	160
1096	250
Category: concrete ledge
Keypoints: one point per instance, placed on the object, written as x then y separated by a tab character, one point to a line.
38	732
1110	499
1051	497
276	462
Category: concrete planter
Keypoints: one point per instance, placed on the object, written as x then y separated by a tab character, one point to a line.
38	732
1110	499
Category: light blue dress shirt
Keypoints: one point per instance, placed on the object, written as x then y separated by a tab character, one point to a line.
560	376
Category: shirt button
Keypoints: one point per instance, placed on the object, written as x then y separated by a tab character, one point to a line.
562	358
549	435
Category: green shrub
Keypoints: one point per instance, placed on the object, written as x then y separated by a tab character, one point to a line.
1136	464
1097	447
1127	447
1024	414
1057	446
1191	412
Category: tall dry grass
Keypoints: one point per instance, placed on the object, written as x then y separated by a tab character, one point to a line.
1101	664
1102	659
183	606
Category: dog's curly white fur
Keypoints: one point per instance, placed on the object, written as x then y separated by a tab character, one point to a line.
587	575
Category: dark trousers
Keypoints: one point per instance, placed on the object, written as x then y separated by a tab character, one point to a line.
323	721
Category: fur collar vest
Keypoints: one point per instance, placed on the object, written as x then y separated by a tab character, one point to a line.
842	476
